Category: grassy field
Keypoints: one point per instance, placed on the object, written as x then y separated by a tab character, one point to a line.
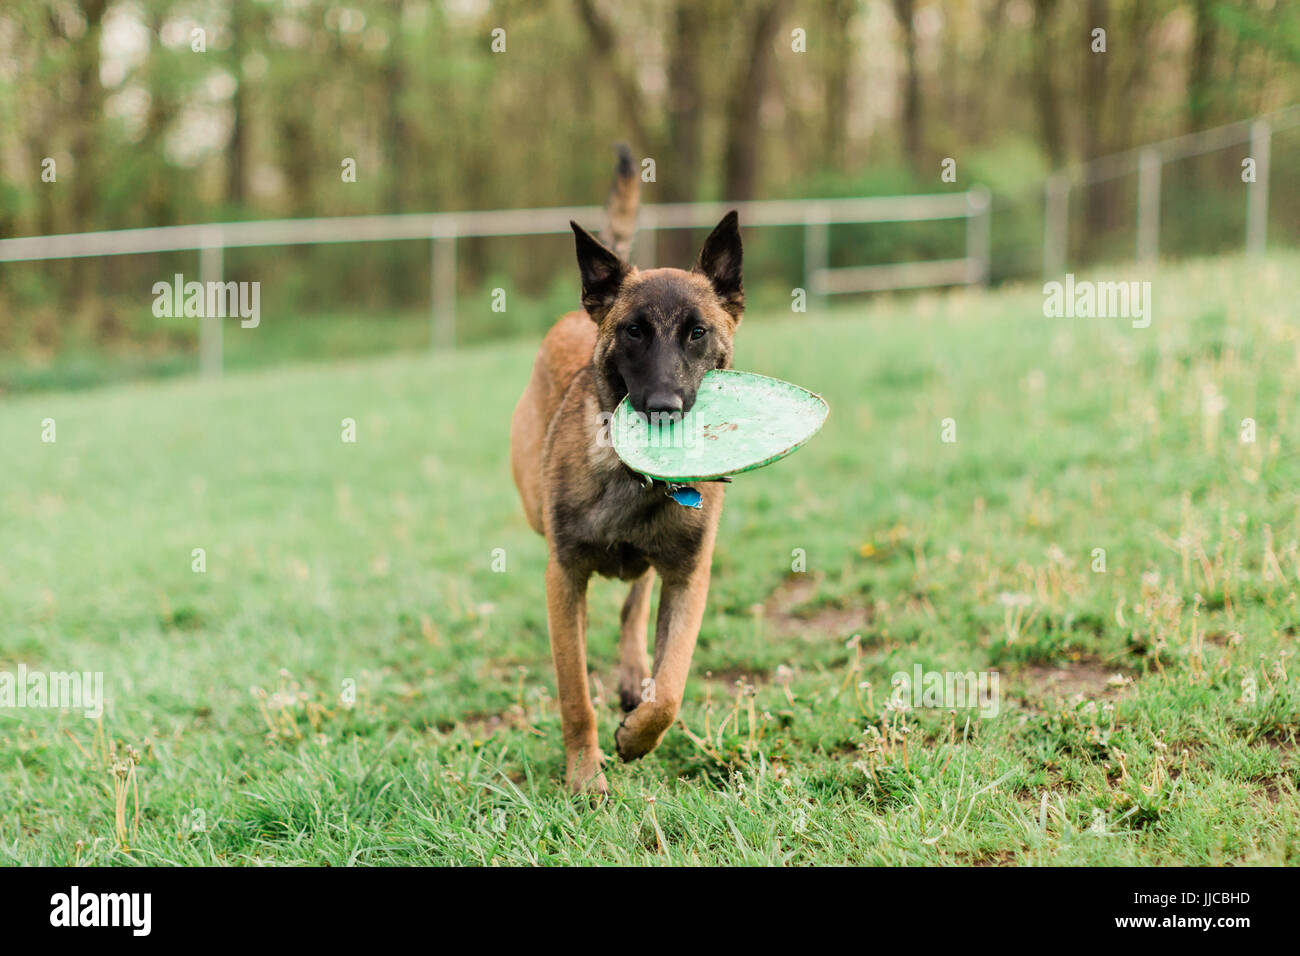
1148	711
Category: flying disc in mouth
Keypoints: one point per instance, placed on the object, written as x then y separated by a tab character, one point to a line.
740	421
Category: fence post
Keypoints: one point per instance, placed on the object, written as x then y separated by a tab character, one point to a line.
979	204
1257	198
1056	224
211	267
1148	211
444	286
646	245
816	246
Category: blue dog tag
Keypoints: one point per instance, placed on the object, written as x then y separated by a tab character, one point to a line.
687	496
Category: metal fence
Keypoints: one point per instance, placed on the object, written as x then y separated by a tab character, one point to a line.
444	229
815	216
1147	163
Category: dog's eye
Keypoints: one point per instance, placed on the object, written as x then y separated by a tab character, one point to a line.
633	331
698	333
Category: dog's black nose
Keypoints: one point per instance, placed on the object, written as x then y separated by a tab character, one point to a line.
663	403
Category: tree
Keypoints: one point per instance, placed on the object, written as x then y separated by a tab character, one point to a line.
744	130
910	116
1046	96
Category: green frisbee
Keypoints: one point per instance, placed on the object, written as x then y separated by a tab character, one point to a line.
740	421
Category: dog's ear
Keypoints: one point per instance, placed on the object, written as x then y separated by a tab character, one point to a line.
720	262
602	273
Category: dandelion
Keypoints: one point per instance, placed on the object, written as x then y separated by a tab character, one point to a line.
896	704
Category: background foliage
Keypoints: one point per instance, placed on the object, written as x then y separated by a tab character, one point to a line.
146	131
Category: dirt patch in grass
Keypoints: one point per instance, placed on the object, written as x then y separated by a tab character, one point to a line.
1086	678
999	858
1273	791
729	675
483	725
789	611
1283	744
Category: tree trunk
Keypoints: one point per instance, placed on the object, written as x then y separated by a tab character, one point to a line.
679	165
1096	197
837	79
1046	96
87	110
157	206
910	117
744	134
1200	80
604	48
237	149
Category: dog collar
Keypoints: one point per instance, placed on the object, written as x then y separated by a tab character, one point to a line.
683	494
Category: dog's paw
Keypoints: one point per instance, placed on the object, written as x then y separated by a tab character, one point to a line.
585	776
595	787
627	751
631	688
641	730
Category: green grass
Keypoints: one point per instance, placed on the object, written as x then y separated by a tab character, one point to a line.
162	348
371	563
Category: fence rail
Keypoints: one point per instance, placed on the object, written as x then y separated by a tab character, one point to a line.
816	216
1148	162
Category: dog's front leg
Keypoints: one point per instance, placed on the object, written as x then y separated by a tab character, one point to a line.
566	618
634	665
681	609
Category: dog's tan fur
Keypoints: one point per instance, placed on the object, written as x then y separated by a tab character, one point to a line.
596	515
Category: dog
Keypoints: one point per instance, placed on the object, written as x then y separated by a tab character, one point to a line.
651	336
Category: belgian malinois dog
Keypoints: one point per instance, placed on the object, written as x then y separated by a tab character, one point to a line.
649	335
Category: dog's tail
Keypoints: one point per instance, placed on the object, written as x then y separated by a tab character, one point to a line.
624	198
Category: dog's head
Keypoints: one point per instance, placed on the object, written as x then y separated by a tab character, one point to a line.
660	330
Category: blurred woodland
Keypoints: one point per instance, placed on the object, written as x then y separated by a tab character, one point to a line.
158	113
